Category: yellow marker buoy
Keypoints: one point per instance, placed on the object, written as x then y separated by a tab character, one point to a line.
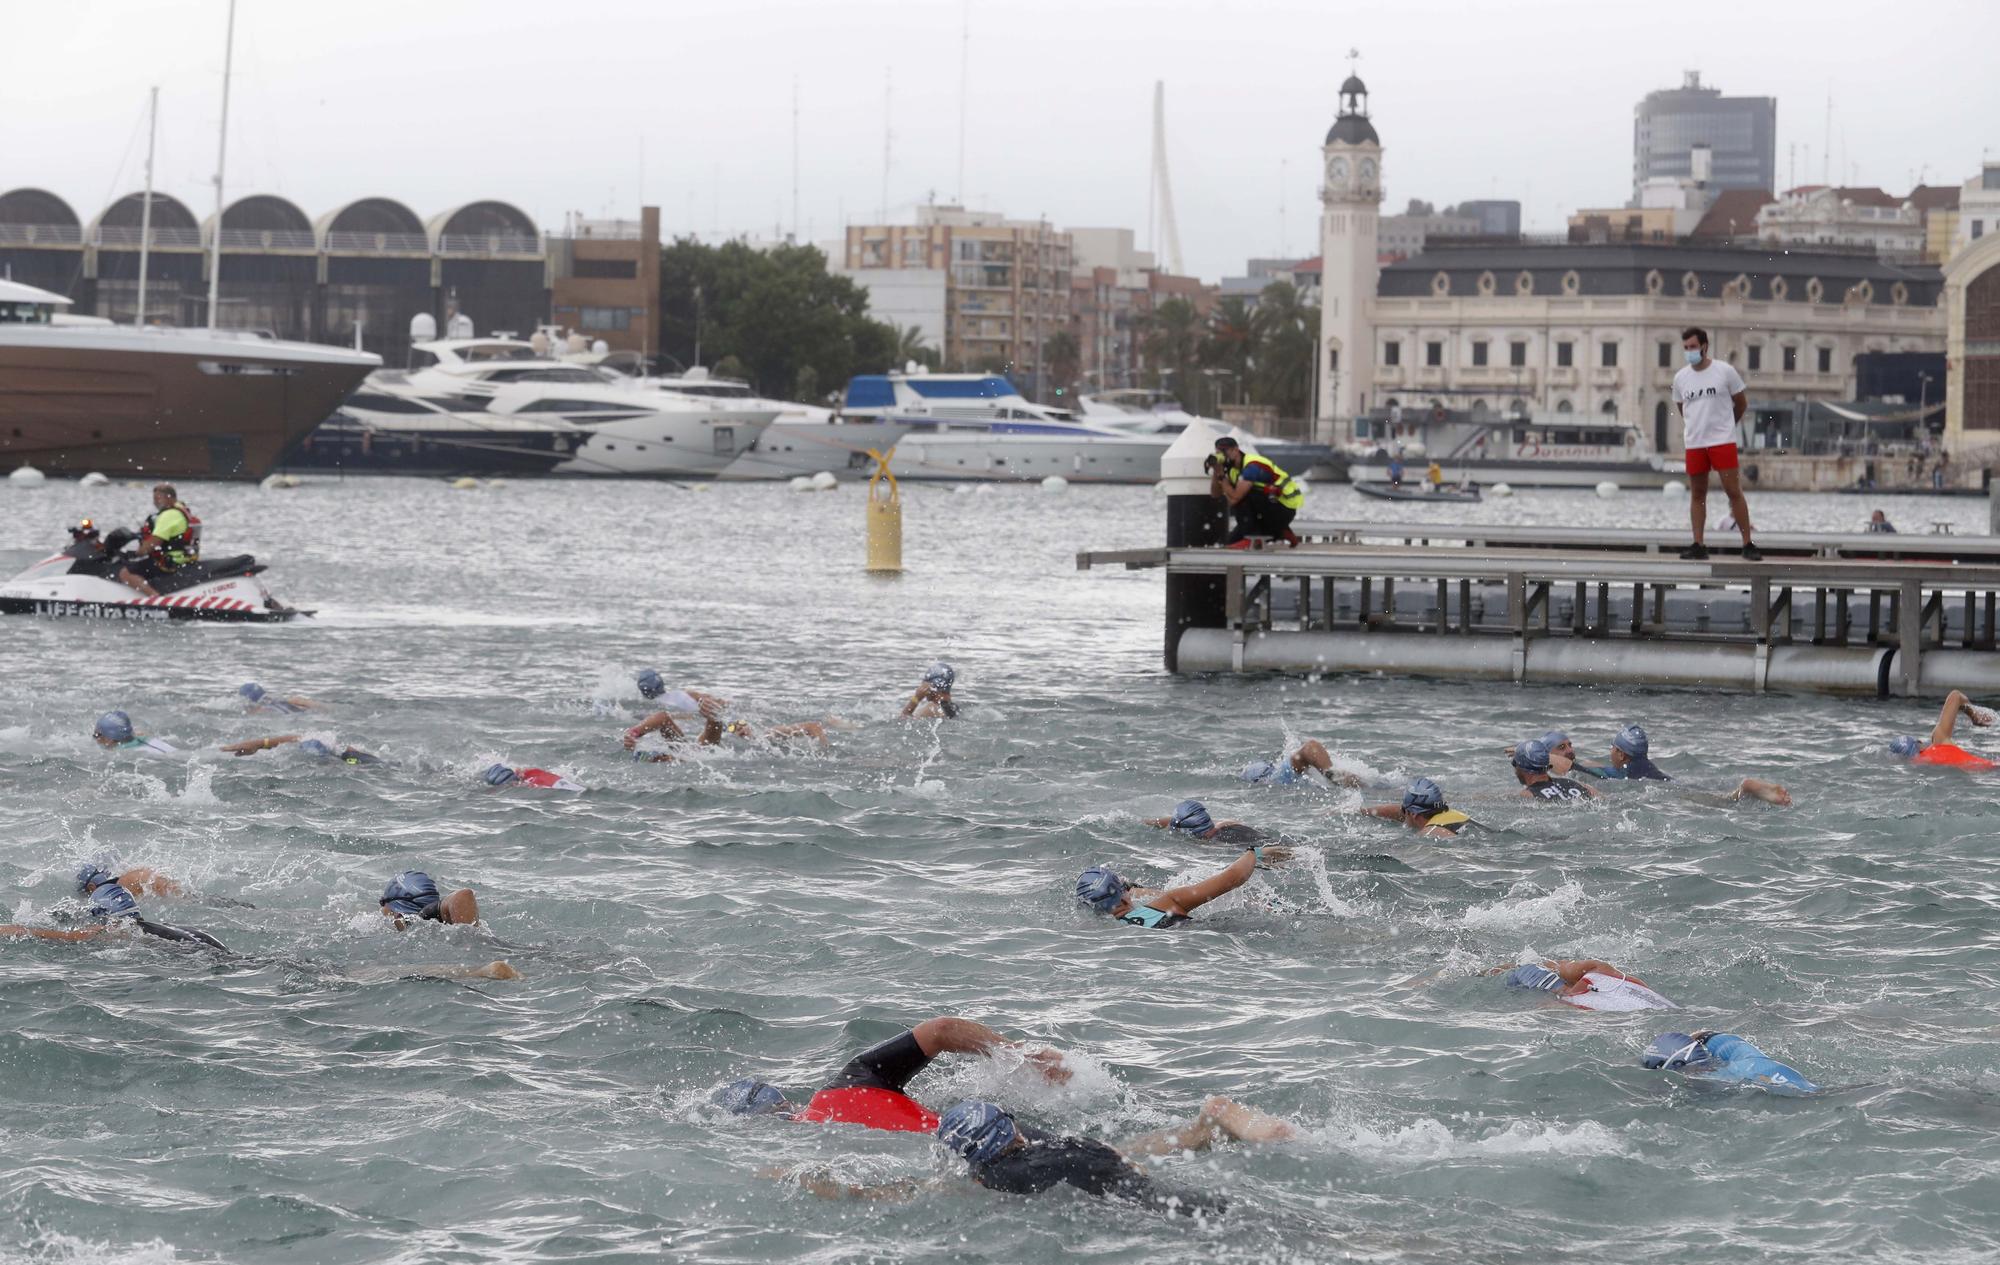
885	518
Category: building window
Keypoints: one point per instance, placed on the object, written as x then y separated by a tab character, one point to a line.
605	318
1479	355
1517	355
606	269
1565	355
1333	360
1666	355
1564	406
1978	227
1433	353
1607	355
1791	360
1756	357
1392	352
1826	360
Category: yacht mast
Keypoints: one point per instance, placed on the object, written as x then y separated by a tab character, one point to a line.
146	207
221	154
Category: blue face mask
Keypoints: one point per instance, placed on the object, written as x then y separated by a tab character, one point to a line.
1693	354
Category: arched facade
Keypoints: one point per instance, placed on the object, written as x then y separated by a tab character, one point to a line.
176	289
1972	389
485	228
373	226
264	222
41	240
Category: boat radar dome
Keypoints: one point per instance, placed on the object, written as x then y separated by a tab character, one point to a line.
423	327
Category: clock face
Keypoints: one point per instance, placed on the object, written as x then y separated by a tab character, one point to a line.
1367	171
1336	169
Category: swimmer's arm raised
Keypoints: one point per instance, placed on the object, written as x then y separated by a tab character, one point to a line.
144	881
251	746
1185	900
1955	703
947	1034
657	723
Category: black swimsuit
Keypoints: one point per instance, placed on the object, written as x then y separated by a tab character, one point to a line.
1087	1164
890	1065
1558	790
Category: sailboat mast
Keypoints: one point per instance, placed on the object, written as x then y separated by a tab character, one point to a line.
221	155
146	207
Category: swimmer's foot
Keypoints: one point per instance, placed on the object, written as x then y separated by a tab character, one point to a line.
496	970
1769	792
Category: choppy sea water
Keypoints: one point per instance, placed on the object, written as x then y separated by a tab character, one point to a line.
754	911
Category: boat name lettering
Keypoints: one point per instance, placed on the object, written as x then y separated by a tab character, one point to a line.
1570	452
97	610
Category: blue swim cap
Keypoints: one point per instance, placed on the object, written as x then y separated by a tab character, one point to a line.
1672	1051
1192	816
313	746
112	901
411	894
1632	741
1554	738
114	727
940	676
1532	755
92	873
750	1097
251	691
1100	889
498	775
1258	772
1423	795
978	1131
650	683
1906	747
1538	978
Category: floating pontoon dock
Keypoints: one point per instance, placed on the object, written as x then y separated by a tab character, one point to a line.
1869	614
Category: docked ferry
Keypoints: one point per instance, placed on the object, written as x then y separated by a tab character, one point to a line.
1559	450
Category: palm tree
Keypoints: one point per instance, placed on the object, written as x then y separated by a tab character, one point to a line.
1173	346
1062	360
910	346
1288	340
1231	344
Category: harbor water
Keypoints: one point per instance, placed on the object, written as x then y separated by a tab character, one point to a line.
769	912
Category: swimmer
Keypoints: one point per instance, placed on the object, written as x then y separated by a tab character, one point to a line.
1191	817
1562	752
869	1090
1008	1156
715	731
1585	983
113	732
113	908
1941	749
653	687
1531	770
1107	893
413	896
307	746
932	701
1311	756
1423	810
1631	762
257	700
499	775
1723	1059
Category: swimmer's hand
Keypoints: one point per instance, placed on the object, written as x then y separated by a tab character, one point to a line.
1272	852
1980	716
633	735
1050	1064
823	1184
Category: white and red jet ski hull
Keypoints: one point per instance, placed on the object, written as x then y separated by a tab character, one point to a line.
51	589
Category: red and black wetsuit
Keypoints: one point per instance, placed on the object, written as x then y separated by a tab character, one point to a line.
869	1090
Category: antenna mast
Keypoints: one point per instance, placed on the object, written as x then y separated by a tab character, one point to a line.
221	153
964	72
146	208
882	208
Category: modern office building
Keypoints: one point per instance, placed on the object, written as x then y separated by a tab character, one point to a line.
1741	134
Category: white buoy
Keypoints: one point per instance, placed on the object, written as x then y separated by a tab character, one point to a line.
1055	483
1500	489
961	489
280	482
93	480
496	483
1673	489
824	481
983	489
1607	489
701	487
27	477
801	483
465	484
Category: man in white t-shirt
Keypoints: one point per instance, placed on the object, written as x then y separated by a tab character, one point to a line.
1711	400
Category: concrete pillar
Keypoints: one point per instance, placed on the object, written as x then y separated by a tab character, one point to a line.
1194	519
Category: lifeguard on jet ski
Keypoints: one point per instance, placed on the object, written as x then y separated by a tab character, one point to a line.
88	580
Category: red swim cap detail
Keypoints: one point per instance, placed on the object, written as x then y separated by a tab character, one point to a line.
1952	756
874	1108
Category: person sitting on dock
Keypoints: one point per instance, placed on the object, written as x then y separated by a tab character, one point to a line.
870	1089
307	746
1311	756
1263	498
1108	893
1941	749
1878	523
1631	762
1191	817
1423	810
261	702
1531	770
1585	983
932	700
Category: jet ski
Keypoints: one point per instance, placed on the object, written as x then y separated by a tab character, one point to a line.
82	582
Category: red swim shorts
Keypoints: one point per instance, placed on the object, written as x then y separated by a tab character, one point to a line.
1719	457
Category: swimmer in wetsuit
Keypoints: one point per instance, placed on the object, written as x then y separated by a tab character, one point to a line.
1562	752
114	732
653	687
1191	817
1631	761
1585	983
499	775
869	1090
715	731
1107	893
259	701
1423	810
932	700
1311	757
1531	770
1941	749
1720	1058
113	908
413	896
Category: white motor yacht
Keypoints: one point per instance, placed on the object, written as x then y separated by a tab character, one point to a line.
389	426
969	426
628	429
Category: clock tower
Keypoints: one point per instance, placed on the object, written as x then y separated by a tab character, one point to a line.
1350	199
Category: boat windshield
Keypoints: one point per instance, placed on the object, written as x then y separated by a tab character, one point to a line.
18	313
480	352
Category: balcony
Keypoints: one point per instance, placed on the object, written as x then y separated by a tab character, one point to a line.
273	240
1606	376
345	243
1563	376
1498	376
518	244
1389	375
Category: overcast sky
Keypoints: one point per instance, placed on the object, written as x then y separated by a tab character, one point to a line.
590	106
